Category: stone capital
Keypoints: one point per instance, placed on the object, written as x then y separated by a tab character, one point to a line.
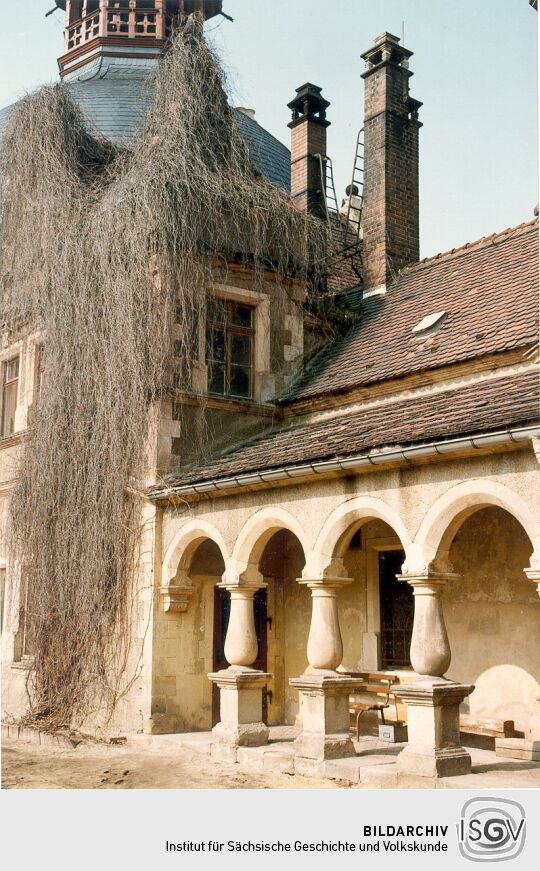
325	584
243	588
428	583
238	575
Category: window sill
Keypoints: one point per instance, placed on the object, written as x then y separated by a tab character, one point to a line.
23	664
14	439
249	406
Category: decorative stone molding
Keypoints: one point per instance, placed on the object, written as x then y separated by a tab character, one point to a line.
176	598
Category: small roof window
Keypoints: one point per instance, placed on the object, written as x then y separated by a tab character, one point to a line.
430	323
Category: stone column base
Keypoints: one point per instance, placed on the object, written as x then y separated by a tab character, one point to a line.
434	748
324	698
241	692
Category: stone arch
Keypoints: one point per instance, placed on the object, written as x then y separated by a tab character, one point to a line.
184	544
432	542
257	532
331	541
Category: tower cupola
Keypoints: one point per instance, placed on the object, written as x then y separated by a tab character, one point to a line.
123	28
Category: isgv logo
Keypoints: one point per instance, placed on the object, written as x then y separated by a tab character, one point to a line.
492	829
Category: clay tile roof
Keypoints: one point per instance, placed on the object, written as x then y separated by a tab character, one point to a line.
486	406
489	291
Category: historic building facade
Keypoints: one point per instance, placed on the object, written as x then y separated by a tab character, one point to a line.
368	507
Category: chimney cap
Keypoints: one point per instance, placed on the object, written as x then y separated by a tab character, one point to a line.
312	94
386	48
386	37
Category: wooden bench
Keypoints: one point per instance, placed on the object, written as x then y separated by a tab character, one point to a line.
377	684
486	727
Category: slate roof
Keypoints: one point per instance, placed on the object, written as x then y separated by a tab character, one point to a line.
485	406
489	290
115	98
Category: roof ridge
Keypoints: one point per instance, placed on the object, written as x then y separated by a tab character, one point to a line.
483	241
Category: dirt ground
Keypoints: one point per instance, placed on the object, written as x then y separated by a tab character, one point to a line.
26	766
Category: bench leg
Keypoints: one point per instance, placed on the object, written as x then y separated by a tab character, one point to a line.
382	717
359	714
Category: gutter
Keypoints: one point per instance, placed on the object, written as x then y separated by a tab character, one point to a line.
350	464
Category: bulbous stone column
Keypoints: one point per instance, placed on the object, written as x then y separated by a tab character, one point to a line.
430	648
241	687
241	642
324	693
433	702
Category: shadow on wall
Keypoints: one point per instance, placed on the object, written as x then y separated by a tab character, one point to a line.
506	692
493	618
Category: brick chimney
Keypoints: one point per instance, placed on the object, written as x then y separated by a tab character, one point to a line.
391	203
308	146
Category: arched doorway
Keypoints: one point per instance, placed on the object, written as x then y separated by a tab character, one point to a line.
222	611
492	615
376	610
288	618
184	642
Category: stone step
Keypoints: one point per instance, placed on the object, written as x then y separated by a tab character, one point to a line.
37	736
518	748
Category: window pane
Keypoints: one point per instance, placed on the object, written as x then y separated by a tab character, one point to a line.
9	408
215	310
240	381
241	315
216	379
241	350
216	345
12	369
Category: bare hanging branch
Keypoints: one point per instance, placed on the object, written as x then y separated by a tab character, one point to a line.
104	250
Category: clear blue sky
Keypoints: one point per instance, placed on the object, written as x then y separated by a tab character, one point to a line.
475	70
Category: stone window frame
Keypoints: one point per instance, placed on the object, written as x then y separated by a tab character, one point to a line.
260	303
12	357
29	351
3	593
223	321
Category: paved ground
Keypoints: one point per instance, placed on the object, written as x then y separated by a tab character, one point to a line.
182	762
27	766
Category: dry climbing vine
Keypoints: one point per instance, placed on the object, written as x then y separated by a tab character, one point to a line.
108	252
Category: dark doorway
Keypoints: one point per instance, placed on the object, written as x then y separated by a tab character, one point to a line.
222	610
397	611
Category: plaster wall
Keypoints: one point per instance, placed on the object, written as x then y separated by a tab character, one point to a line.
493	613
493	618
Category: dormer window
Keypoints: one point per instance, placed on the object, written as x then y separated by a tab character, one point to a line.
230	336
